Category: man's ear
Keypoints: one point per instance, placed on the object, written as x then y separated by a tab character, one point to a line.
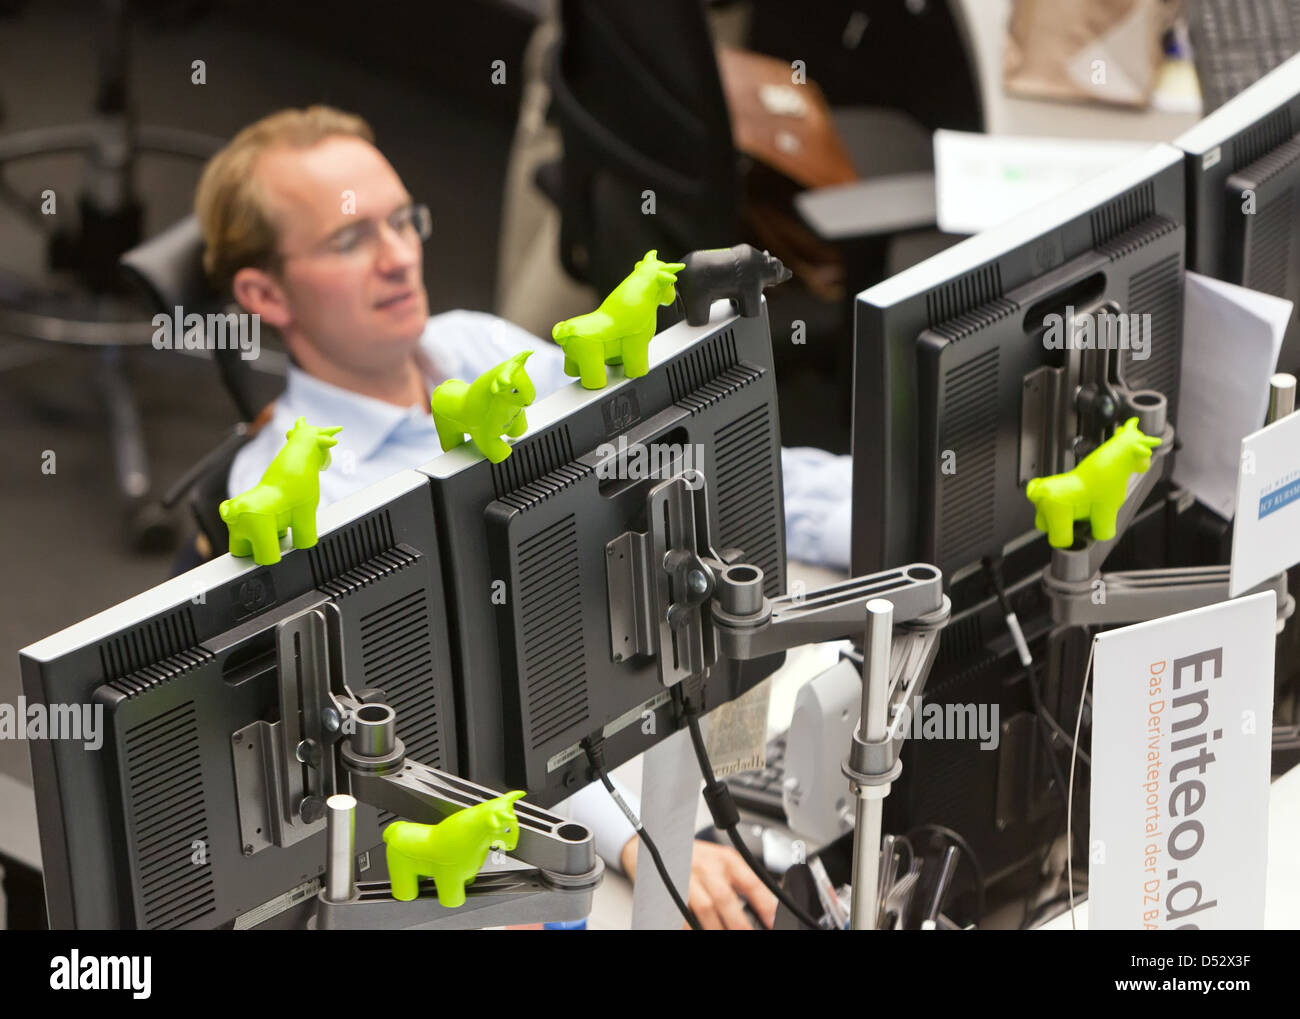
260	293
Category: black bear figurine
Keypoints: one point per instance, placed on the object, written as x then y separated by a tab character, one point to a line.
740	274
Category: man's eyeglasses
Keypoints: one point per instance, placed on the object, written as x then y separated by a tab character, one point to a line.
411	223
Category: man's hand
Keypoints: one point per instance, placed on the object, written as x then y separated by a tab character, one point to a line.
719	879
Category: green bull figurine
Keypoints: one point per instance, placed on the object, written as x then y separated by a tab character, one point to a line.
620	330
485	409
286	497
452	852
1094	490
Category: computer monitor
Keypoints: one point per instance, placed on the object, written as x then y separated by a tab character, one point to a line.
961	396
963	364
540	574
165	825
1243	193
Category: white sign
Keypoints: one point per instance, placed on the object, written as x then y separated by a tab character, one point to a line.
982	180
1266	535
1223	389
1181	742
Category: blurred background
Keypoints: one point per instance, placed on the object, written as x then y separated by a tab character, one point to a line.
850	139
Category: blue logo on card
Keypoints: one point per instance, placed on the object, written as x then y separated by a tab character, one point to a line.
1286	491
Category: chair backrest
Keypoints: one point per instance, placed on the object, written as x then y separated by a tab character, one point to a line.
636	93
168	268
912	56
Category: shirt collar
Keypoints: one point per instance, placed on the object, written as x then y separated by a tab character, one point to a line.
367	422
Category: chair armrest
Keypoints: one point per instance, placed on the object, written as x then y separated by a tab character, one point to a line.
220	457
881	205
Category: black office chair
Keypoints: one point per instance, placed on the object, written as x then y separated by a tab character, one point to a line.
893	74
168	269
635	90
640	107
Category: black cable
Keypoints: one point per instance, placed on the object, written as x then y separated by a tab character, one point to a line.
1065	737
967	854
1049	724
1040	712
596	756
725	814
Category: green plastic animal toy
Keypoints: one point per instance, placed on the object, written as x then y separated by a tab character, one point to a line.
492	405
287	496
619	331
1094	490
452	852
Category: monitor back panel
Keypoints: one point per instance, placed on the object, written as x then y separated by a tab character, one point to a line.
1242	213
940	352
150	831
526	553
974	458
1263	235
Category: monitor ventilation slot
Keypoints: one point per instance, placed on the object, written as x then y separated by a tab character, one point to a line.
1265	136
700	364
962	641
375	568
748	512
163	671
164	779
397	657
967	513
531	459
1136	237
339	551
536	492
983	286
1158	291
1270	245
1121	213
551	650
719	387
148	643
976	320
1274	162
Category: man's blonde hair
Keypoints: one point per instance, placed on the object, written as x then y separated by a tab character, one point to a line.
237	231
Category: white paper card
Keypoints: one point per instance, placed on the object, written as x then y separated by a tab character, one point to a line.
1266	535
1231	340
1181	743
982	179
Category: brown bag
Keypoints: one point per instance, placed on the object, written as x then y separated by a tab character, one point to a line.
791	142
1101	50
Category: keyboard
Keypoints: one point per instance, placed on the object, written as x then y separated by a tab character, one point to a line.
1237	42
759	791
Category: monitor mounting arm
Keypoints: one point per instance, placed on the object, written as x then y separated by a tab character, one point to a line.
333	747
1080	593
672	596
